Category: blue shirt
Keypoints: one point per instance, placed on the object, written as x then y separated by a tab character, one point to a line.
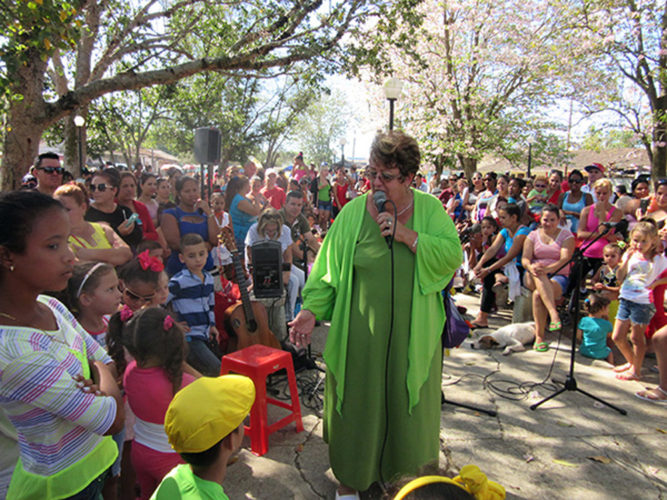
594	338
194	301
509	241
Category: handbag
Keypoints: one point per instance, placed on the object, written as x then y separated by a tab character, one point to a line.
456	329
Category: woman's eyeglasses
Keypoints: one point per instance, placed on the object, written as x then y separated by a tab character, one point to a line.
386	178
575	181
52	170
101	187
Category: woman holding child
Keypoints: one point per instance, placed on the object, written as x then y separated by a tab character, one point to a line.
383	353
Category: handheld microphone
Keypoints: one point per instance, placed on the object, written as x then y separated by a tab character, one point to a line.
380	199
619	226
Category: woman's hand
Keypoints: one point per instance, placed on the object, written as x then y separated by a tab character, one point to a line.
301	328
203	206
537	269
124	229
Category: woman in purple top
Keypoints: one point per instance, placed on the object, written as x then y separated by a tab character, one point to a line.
544	252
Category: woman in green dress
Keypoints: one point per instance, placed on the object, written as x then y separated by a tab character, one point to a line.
384	360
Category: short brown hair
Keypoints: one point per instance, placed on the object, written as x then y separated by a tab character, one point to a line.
396	149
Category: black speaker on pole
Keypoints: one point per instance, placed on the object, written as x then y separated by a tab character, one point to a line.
267	267
207	146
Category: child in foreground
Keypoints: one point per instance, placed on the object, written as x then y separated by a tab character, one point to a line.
205	435
605	281
157	344
638	273
191	296
596	329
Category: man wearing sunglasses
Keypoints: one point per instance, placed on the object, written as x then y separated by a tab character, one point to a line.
48	172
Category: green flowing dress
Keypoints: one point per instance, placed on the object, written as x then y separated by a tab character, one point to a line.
375	437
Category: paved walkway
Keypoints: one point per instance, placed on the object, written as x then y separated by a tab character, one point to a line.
572	447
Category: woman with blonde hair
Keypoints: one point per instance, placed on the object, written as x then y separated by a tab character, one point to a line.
90	241
590	226
270	226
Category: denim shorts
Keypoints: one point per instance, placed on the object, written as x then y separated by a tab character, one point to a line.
638	314
562	280
324	205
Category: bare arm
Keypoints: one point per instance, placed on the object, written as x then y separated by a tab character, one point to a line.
514	250
171	231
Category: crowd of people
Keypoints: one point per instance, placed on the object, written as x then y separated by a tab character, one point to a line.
110	325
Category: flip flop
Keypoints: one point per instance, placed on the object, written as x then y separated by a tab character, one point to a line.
541	347
622	368
645	395
555	326
475	326
627	375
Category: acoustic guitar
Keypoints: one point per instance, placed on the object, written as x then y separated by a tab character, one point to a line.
247	320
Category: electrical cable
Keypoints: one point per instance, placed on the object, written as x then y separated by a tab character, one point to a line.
391	331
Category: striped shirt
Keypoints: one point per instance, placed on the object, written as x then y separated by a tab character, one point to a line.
57	423
193	300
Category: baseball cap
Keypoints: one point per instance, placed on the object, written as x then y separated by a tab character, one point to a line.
593	166
207	410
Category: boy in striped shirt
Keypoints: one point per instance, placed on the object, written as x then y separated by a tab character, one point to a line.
191	296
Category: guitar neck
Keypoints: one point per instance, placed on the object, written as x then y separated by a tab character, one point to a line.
243	286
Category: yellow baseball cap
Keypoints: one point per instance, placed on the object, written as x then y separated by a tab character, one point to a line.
207	410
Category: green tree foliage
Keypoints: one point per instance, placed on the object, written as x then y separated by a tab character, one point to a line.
131	45
320	127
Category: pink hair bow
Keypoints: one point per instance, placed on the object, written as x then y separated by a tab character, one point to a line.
126	313
168	322
148	262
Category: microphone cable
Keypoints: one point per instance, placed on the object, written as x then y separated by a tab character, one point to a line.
391	332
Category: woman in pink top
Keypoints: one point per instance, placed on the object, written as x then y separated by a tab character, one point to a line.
590	226
158	345
544	252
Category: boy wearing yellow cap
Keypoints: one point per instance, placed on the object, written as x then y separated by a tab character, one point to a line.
205	435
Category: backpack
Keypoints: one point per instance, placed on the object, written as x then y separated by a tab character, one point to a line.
456	329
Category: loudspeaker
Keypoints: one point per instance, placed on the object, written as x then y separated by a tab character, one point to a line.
267	264
207	146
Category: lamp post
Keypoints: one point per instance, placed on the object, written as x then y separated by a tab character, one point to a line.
80	121
392	91
342	143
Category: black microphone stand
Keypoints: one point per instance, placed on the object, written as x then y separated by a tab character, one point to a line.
570	383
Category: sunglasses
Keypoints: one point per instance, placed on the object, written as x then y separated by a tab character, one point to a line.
101	187
372	174
575	181
52	170
133	296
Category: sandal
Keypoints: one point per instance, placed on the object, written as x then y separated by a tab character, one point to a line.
622	368
541	347
555	326
627	375
474	326
650	395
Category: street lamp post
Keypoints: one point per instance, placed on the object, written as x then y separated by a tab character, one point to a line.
392	91
80	121
342	143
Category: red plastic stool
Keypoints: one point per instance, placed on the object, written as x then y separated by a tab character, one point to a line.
258	362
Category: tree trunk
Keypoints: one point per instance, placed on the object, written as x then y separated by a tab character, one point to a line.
25	124
469	165
659	157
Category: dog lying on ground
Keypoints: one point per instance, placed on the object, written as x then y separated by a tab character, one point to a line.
511	337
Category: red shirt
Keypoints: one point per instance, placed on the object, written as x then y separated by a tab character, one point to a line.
147	226
341	194
276	196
